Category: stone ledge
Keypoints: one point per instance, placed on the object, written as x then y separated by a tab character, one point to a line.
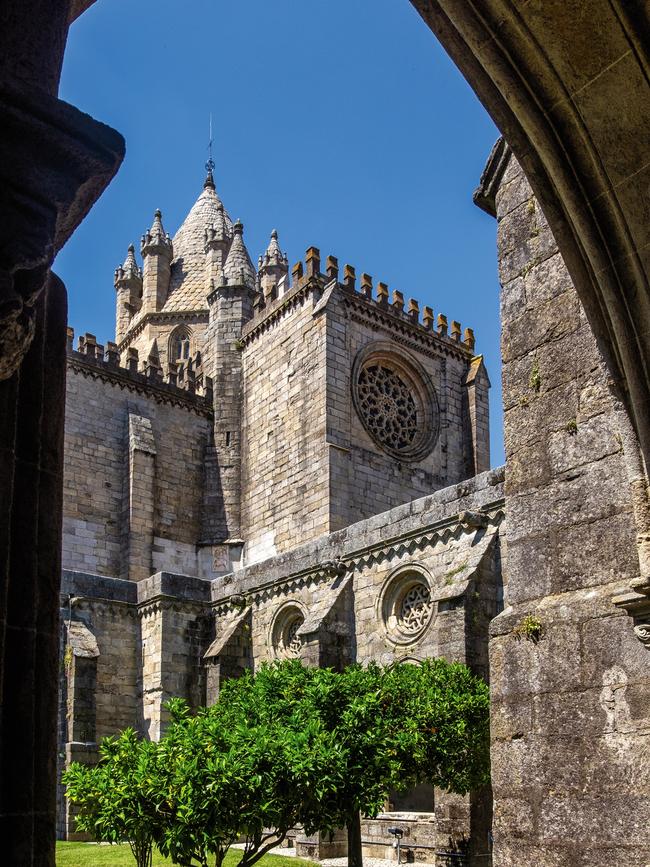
100	587
168	585
433	515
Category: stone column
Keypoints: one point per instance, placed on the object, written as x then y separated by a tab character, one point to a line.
140	504
31	463
54	163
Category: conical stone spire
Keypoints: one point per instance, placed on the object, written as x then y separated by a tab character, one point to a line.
128	285
274	265
208	183
130	270
156	240
188	287
273	255
218	230
239	269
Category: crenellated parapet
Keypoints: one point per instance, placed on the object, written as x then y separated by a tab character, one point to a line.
181	385
377	301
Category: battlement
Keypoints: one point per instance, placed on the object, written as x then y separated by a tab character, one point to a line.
308	274
180	385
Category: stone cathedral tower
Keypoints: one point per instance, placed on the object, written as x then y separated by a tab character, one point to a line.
259	466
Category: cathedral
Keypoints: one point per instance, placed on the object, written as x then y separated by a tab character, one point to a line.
274	462
271	462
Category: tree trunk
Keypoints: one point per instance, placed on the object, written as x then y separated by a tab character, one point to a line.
355	858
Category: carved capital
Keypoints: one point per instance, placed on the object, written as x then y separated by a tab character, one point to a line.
642	632
54	163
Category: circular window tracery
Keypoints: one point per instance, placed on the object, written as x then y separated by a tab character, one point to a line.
406	605
284	634
395	401
415	610
292	640
389	410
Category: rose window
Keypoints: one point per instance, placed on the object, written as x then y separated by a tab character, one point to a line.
388	407
405	605
284	632
415	609
395	401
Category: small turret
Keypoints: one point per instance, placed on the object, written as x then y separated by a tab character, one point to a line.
217	241
238	269
157	252
128	285
273	266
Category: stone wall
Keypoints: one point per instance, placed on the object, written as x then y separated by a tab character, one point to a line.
571	697
100	669
285	473
310	465
365	478
134	471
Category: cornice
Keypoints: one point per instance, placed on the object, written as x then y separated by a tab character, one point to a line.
420	539
161	392
412	335
278	309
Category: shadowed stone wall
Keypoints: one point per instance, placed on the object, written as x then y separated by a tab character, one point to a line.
571	707
311	461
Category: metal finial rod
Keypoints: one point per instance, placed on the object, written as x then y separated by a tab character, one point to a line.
209	166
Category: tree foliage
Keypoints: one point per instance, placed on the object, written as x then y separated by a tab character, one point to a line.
289	746
114	795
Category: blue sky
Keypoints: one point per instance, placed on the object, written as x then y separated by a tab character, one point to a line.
342	123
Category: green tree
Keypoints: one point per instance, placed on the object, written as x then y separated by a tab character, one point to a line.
290	745
391	728
241	769
112	796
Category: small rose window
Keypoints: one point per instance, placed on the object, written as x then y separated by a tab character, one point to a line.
406	605
415	609
291	639
284	634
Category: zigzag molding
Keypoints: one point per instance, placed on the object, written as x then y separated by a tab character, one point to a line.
418	540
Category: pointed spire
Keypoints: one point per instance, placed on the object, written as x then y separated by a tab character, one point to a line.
129	270
156	239
217	233
274	255
238	269
130	266
208	183
274	265
209	166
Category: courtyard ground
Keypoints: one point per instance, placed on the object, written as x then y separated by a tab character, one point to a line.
102	855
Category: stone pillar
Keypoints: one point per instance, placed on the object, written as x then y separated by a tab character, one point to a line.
569	681
80	736
174	622
54	163
477	417
140	503
231	306
31	463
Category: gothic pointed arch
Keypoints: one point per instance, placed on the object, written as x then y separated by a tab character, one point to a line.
180	344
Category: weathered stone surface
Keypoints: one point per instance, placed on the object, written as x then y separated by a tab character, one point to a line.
570	706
